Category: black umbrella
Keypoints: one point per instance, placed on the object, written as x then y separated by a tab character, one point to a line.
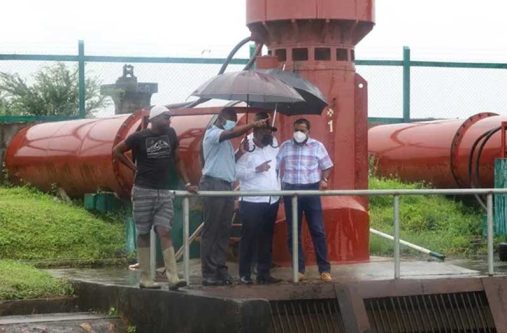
314	101
249	86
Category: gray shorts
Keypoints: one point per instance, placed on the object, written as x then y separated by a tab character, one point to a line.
151	207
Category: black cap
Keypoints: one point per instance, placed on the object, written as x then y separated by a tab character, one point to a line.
264	115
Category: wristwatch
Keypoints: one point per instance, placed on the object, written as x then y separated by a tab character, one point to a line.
324	179
188	184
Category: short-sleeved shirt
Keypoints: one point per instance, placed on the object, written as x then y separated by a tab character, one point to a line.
219	161
250	180
154	157
302	164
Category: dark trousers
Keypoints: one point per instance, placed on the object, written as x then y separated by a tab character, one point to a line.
312	208
217	214
257	225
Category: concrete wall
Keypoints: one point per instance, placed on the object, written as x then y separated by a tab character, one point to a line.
7	131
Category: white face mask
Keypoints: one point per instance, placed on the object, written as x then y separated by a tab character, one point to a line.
229	124
299	137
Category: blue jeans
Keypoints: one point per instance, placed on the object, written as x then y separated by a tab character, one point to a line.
312	208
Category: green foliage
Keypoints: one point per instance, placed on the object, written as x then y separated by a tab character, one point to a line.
22	281
436	222
37	226
4	105
54	92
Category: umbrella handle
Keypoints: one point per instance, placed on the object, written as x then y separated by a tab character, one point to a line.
247	107
274	116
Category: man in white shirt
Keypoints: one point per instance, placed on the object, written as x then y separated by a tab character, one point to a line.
256	171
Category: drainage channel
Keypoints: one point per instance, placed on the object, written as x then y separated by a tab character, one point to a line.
311	315
454	312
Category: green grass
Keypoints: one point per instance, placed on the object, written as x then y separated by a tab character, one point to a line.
37	226
438	223
23	281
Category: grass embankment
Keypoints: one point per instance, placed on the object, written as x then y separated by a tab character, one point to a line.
42	230
38	227
20	281
438	223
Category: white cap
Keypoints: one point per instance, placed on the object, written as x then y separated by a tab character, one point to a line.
157	110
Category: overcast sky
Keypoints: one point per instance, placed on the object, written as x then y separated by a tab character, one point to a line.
453	30
436	29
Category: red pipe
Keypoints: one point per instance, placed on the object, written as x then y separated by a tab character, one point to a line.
438	152
77	155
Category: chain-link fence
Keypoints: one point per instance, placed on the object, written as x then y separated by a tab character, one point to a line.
176	81
398	90
440	92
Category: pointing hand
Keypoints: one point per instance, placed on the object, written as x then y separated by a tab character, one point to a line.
263	167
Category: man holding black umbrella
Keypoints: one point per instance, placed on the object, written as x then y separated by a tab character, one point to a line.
256	172
218	175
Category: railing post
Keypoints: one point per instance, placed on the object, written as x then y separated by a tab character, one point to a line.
81	82
396	206
186	244
489	200
406	84
295	237
153	253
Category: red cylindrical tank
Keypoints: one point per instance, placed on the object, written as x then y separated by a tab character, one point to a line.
77	155
438	152
316	38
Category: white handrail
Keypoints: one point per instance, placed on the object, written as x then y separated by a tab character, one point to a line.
461	191
295	194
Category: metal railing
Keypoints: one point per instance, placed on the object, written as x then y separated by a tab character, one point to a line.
295	194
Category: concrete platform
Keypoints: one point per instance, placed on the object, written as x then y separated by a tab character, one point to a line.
378	268
345	304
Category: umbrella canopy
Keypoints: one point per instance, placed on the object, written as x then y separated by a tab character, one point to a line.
314	101
248	86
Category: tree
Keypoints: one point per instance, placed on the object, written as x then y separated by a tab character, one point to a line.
54	92
4	105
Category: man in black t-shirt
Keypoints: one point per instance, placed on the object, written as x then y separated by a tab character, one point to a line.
154	149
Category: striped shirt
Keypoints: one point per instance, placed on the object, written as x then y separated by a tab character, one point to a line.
302	164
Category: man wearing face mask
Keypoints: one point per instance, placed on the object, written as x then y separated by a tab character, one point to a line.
218	174
305	165
256	172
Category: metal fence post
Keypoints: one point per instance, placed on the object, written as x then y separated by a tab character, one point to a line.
489	199
153	253
186	244
81	83
406	84
396	206
295	237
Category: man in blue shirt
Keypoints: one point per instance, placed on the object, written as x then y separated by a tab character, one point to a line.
218	174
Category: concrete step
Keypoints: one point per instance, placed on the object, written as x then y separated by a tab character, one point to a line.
77	322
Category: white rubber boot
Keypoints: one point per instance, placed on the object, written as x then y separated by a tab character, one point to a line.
143	256
171	270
